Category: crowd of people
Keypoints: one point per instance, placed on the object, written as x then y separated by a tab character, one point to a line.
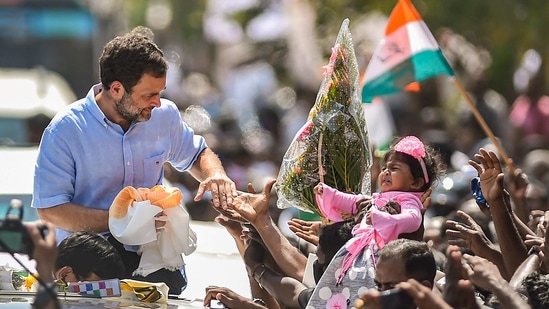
404	245
469	271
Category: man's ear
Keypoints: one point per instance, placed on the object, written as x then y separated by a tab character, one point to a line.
117	90
63	272
427	283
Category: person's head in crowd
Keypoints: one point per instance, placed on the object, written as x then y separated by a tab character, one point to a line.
331	238
412	166
536	196
536	165
537	201
404	259
537	289
87	256
533	63
131	62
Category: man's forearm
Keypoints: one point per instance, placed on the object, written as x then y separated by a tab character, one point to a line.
512	247
206	165
74	217
290	260
284	289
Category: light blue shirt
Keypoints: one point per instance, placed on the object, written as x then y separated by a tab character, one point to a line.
86	159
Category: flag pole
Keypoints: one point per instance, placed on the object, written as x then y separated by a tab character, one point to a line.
484	126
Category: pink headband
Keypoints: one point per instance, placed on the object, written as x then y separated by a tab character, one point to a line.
412	146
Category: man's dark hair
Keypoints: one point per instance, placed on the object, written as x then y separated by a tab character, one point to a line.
126	58
86	253
537	287
419	262
333	236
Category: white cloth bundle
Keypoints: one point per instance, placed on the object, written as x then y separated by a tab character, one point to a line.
132	217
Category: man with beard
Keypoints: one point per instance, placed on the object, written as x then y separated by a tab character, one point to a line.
119	135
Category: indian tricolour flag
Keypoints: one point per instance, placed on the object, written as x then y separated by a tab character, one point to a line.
407	54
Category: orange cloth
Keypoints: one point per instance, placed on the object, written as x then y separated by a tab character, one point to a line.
157	195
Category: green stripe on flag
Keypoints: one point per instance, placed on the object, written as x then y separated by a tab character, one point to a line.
419	67
429	63
392	81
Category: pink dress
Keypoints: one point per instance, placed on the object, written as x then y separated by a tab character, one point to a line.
385	227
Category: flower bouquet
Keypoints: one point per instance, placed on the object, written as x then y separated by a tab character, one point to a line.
333	145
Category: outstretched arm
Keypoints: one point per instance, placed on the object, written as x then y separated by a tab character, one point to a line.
458	291
470	235
210	172
306	230
229	298
518	183
254	207
485	274
491	181
284	289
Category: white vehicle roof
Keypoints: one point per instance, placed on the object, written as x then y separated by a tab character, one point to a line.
28	92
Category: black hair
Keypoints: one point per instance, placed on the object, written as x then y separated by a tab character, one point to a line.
87	253
333	236
126	58
419	261
537	287
433	163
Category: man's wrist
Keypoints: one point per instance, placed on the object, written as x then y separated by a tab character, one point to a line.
263	222
45	273
260	302
258	273
45	295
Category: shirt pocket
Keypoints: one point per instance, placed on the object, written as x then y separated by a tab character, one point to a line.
153	170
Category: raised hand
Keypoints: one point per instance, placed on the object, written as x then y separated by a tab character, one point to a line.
481	271
518	183
252	205
222	187
458	291
490	172
229	213
423	296
468	235
306	230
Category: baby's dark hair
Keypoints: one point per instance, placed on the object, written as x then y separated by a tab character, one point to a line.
433	163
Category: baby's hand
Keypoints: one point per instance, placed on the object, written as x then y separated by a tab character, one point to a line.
392	207
318	189
368	217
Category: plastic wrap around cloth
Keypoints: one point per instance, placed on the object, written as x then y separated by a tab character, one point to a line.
132	217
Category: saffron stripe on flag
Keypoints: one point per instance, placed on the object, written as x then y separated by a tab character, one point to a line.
408	53
403	13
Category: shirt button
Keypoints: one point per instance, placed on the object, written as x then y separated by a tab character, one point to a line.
128	163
